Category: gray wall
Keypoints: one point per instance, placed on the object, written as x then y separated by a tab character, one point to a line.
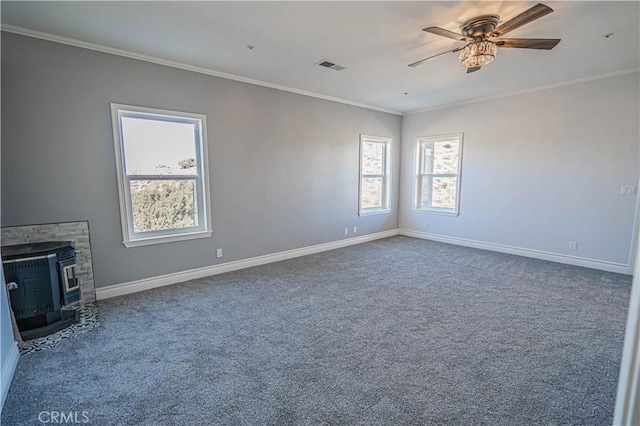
539	169
283	167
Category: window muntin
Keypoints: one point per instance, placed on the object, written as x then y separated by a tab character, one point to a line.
163	183
438	174
374	175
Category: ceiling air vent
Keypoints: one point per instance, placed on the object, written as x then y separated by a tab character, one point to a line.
330	65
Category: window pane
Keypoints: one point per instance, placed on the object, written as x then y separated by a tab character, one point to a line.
371	192
373	158
439	192
444	157
154	147
163	204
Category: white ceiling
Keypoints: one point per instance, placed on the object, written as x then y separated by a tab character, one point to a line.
374	40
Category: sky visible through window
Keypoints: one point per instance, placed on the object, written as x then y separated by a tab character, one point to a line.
151	144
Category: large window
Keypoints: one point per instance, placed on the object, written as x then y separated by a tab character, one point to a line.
162	174
438	174
374	174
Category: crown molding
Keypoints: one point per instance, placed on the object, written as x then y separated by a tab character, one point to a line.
179	65
525	91
201	70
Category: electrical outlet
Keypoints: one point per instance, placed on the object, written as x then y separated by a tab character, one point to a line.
355	229
628	190
426	226
573	245
346	231
219	253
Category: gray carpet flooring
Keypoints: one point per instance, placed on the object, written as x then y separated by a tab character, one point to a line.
395	331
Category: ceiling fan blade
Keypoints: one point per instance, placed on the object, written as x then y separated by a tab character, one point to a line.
528	43
473	69
415	64
446	33
529	15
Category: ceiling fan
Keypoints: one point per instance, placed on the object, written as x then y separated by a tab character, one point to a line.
482	36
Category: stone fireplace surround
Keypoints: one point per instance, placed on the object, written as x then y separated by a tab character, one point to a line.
78	232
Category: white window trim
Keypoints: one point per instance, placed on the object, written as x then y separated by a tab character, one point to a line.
386	177
130	239
418	175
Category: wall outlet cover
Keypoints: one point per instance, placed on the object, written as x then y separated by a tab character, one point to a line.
628	190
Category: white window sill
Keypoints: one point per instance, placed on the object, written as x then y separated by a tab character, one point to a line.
166	239
372	212
438	211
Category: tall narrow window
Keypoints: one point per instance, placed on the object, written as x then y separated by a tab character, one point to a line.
374	174
162	174
438	174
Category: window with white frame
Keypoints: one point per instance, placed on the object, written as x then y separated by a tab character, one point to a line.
438	174
161	159
374	174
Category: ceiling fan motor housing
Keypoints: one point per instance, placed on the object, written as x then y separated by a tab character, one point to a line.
480	26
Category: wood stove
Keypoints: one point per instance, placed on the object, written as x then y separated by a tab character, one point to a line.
41	278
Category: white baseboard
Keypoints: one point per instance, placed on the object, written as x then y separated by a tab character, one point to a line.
178	277
8	369
602	265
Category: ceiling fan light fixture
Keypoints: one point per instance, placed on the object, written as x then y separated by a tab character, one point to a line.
478	54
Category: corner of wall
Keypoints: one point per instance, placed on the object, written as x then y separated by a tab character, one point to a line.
9	367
